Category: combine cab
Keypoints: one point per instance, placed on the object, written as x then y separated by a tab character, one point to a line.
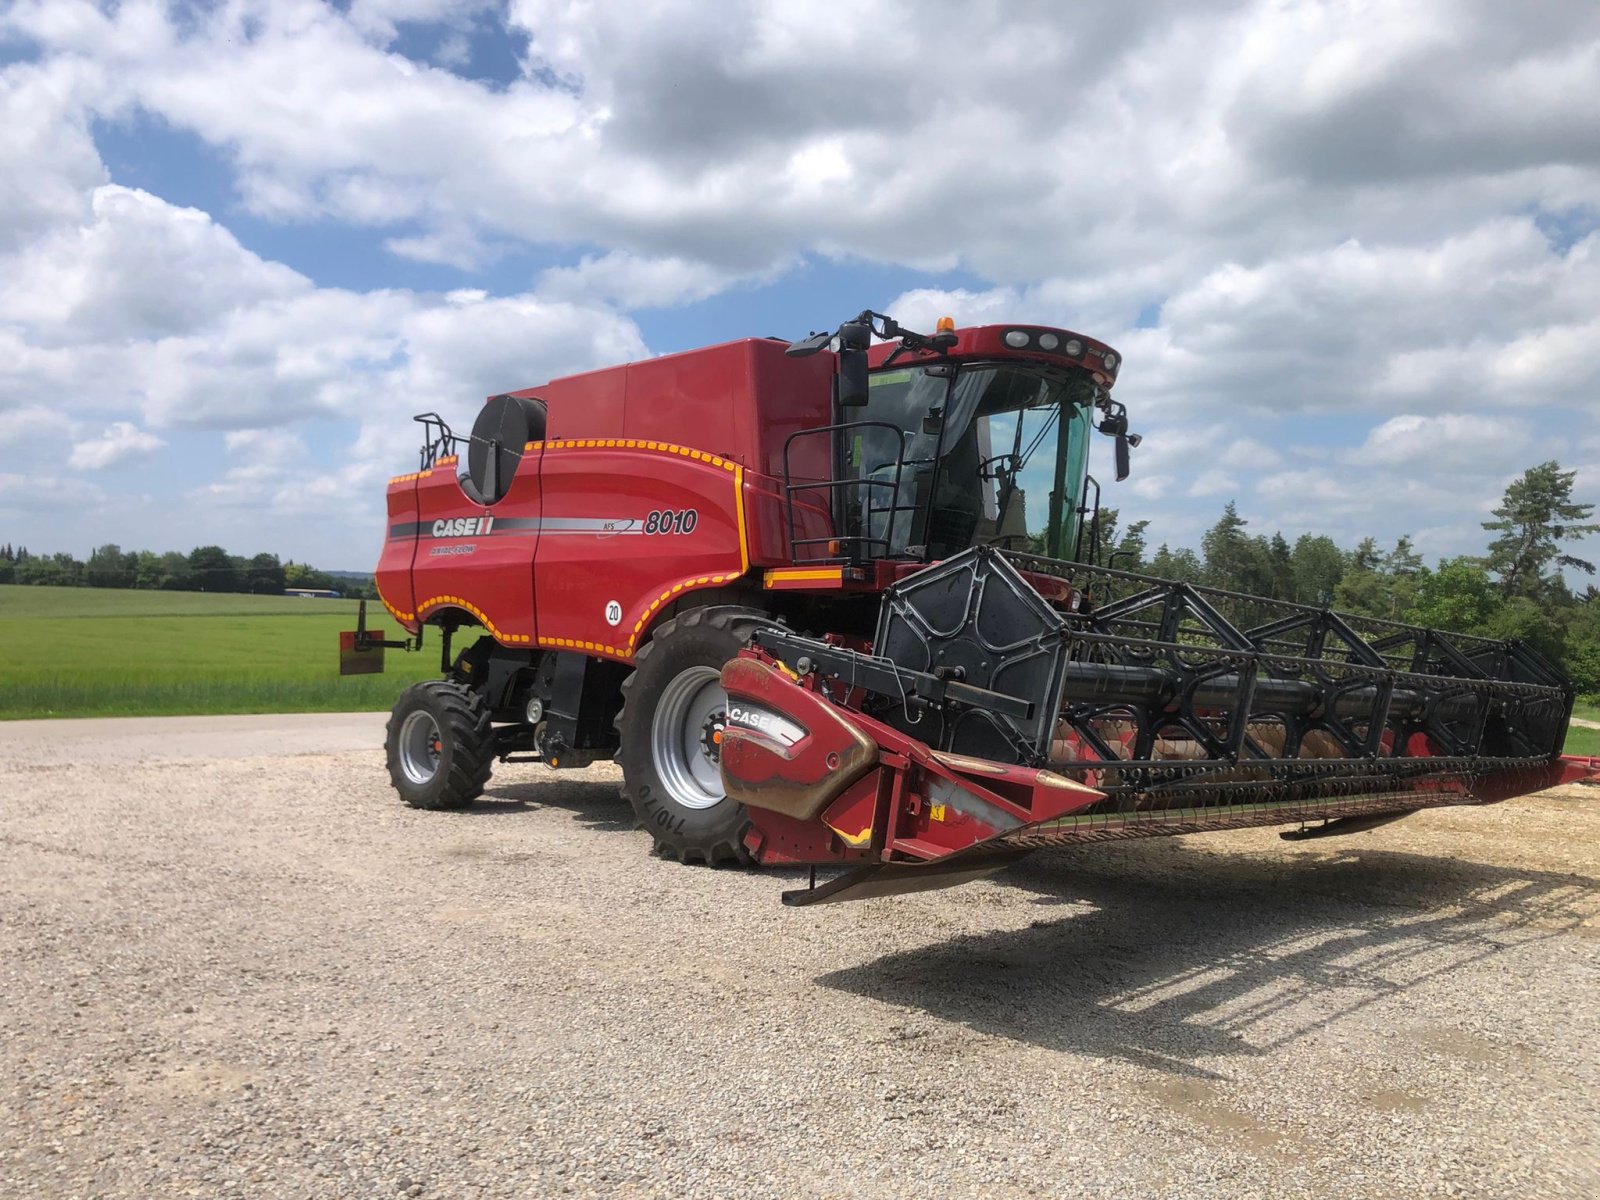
800	593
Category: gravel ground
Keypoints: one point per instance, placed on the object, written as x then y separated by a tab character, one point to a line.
232	964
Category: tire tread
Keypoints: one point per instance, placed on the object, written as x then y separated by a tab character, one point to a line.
739	622
464	723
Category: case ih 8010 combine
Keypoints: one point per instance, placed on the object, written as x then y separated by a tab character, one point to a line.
800	594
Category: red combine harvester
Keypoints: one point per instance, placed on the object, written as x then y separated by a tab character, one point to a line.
800	593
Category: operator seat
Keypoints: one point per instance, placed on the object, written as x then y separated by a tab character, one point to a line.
511	421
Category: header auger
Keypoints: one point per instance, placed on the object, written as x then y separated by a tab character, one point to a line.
800	594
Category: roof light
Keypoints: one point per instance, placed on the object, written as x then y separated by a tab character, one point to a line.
1074	347
1016	338
945	325
1110	360
1048	341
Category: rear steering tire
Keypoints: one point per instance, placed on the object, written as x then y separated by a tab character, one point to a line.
673	713
440	745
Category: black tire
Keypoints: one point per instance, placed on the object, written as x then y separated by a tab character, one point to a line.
440	745
674	806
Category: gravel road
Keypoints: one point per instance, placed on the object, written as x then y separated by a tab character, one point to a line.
232	964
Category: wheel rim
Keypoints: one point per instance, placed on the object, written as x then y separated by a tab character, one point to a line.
420	747
685	735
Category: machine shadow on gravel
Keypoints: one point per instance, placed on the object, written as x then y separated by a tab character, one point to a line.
491	804
595	804
1173	955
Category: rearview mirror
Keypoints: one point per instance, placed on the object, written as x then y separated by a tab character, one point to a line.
854	338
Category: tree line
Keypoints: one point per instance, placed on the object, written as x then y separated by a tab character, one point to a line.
203	569
1514	589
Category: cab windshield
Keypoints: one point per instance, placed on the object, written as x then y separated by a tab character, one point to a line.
983	454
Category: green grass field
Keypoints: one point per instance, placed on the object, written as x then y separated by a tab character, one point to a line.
1583	742
82	652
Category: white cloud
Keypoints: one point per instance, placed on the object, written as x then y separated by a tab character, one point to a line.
139	267
378	18
1102	156
155	307
38	494
457	246
635	282
30	424
1294	220
48	161
1449	441
1214	483
265	447
122	442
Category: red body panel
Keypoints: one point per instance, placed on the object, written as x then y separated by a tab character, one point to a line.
422	566
594	536
393	574
740	401
600	546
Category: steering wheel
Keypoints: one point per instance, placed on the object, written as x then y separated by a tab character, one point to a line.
991	467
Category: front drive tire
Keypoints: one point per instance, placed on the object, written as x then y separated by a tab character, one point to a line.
673	709
440	745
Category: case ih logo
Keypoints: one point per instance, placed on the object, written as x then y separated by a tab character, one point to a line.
761	720
463	527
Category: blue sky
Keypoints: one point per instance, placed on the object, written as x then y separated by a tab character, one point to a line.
1349	253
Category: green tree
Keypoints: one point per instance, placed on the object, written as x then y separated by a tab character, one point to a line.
1126	547
55	570
1234	560
1180	566
1403	562
147	569
1316	564
1524	620
267	575
1280	568
1365	557
1367	587
214	569
1459	596
1130	549
175	573
1365	593
300	575
108	568
1583	644
1402	568
1535	516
